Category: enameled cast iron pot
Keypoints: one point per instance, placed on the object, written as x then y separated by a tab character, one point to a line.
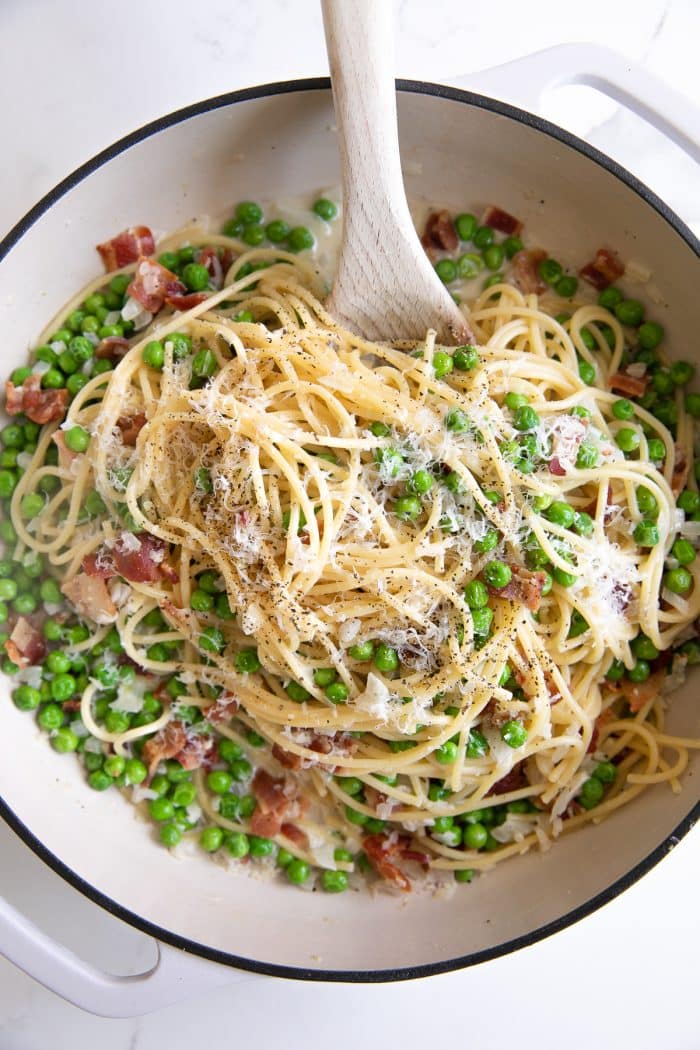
459	149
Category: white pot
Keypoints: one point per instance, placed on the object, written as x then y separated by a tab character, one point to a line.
458	149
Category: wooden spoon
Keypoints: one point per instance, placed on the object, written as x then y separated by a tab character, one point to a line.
385	287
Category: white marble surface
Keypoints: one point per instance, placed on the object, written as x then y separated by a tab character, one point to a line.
76	75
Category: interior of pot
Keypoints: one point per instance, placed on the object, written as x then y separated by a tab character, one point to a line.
462	156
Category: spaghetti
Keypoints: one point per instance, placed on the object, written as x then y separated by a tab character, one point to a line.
411	602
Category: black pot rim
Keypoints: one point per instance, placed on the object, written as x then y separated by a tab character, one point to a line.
258	966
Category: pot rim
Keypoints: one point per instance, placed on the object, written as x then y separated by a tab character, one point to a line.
227	958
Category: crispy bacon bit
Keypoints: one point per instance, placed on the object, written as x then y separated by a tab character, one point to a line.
681	469
131	427
209	257
143	564
227	260
638	693
199	750
186	302
524	269
556	468
524	587
382	851
89	596
113	348
605	268
222	709
440	233
273	804
41	406
288	759
624	383
295	835
501	220
512	781
25	645
153	284
167	743
99	563
65	455
126	247
601	720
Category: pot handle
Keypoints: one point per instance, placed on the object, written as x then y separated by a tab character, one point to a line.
525	80
174	976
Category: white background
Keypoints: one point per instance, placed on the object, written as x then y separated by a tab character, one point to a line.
74	76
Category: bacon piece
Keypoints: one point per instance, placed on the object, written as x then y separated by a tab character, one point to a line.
295	835
152	284
601	720
681	469
41	406
501	220
288	759
638	693
439	233
512	781
199	750
524	587
227	260
556	468
113	348
209	258
90	598
65	455
273	804
624	383
222	709
186	302
25	645
605	268
126	247
131	427
382	850
99	563
167	743
142	564
524	269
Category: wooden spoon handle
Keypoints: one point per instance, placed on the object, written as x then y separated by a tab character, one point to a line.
385	286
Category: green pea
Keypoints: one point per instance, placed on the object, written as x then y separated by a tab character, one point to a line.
63	687
475	836
646	533
610	298
481	621
630	312
497	574
169	835
587	456
627	439
386	659
488	542
77	439
58	662
586	371
204	364
153	354
525	418
591	793
297	692
64	740
563	578
99	780
616	671
211	838
465	358
200	601
447	753
249	211
300	239
442	364
583	523
483	237
643	648
650	335
578	625
446	269
466	225
26	698
469	265
496	278
656	450
456	420
8	483
476	594
12	436
421	482
691	651
681	372
622	409
689	501
363	651
223	609
493	256
212	640
682	550
219	781
232	228
560	513
334	881
261	847
136	771
247	662
297	872
647	503
407	508
678	581
513	733
550	271
640	672
566	287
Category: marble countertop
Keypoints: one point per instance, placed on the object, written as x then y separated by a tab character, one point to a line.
75	77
